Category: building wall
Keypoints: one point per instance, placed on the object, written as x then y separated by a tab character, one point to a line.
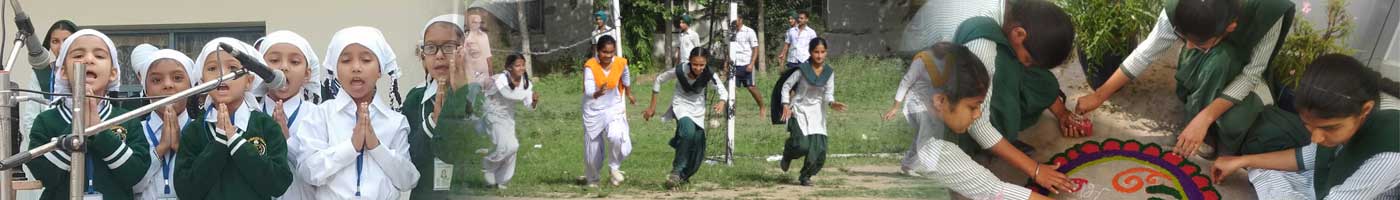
317	20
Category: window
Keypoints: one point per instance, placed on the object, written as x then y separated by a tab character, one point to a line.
188	39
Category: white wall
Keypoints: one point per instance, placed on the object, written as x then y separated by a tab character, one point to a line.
400	20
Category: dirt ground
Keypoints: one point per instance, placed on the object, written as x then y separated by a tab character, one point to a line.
1145	110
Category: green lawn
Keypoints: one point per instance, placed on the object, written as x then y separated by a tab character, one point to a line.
865	84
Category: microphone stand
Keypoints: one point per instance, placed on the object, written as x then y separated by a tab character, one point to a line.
75	142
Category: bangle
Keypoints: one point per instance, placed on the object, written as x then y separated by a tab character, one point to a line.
1037	172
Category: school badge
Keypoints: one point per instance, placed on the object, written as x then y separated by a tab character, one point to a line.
120	131
259	144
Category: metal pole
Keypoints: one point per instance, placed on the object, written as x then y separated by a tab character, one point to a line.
14	52
525	37
617	25
77	177
18	159
729	147
7	190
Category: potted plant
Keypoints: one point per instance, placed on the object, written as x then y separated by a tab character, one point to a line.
1303	44
1106	31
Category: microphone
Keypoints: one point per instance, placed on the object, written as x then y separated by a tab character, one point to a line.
272	79
38	55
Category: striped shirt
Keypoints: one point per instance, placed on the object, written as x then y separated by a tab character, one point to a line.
982	130
1163	36
937	20
1377	178
947	165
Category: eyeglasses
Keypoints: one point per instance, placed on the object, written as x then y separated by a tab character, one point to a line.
430	49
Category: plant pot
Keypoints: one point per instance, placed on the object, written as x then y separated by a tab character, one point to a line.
1096	73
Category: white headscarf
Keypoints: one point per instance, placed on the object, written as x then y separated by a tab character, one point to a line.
455	19
313	64
255	89
142	64
369	37
61	86
372	39
142	54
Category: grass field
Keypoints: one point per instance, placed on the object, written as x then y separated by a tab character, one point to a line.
550	154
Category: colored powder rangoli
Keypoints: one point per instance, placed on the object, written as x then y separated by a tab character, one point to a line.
1116	169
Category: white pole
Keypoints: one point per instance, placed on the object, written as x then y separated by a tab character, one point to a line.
729	149
525	37
617	25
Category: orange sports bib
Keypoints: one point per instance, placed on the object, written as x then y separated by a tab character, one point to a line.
604	81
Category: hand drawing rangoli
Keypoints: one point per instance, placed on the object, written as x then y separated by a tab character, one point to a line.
1116	169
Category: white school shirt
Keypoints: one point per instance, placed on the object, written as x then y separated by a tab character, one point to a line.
916	89
982	130
686	41
597	113
744	42
302	118
1377	178
160	176
808	105
938	20
337	171
798	38
501	99
685	104
609	31
1163	36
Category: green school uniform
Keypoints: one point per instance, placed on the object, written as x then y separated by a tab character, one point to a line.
799	144
251	166
689	139
1248	127
1377	135
451	140
45	80
1019	93
1256	18
117	157
689	143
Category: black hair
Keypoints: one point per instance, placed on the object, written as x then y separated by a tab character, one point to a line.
700	52
812	46
59	25
461	35
968	77
1049	33
605	41
1336	85
1202	20
510	62
801	13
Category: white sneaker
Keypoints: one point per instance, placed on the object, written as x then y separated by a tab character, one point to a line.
501	187
490	177
909	172
617	177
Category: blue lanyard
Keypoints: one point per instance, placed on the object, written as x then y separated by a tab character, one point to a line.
165	163
90	190
290	119
359	169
